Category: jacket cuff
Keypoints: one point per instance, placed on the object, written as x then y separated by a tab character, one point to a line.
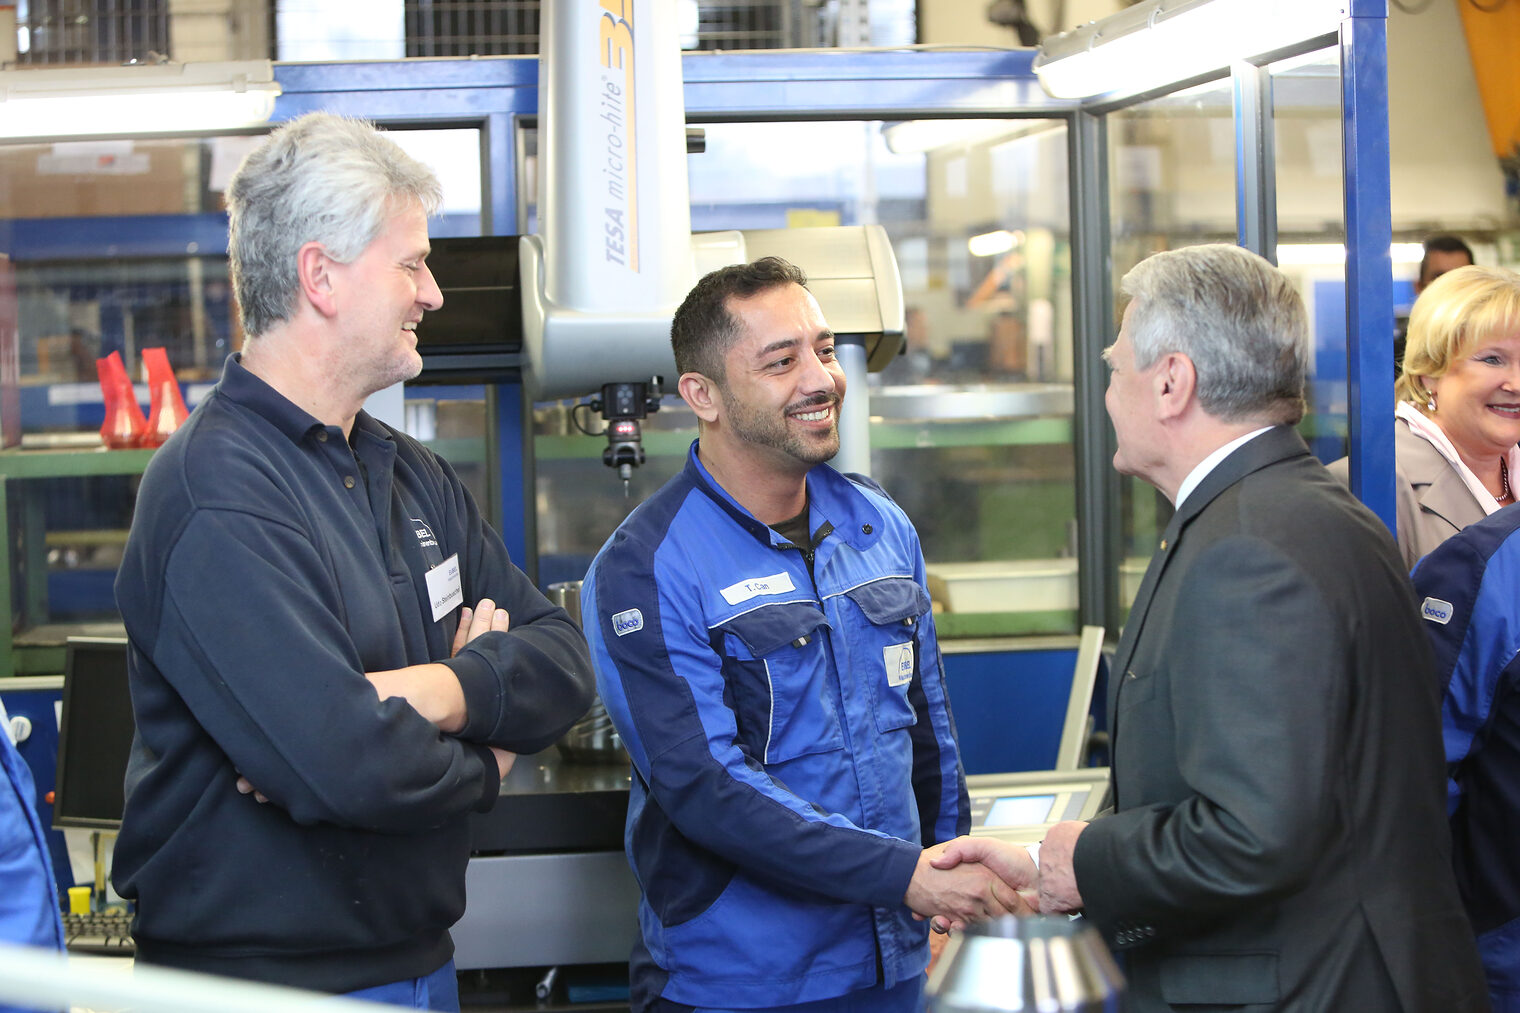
482	694
491	789
898	864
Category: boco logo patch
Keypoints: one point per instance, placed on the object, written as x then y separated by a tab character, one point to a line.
627	622
1436	610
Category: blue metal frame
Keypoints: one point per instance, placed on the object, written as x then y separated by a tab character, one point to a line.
737	86
435	92
844	85
1369	268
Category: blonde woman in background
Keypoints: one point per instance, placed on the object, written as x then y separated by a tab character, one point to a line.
1458	412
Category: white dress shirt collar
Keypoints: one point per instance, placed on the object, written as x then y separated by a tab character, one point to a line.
1208	464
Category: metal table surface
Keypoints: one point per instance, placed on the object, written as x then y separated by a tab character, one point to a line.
548	883
551	804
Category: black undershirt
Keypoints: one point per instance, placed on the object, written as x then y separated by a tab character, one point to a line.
794	529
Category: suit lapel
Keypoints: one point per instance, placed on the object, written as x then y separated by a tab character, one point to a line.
1269	448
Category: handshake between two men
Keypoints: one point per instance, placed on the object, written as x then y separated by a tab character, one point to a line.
971	879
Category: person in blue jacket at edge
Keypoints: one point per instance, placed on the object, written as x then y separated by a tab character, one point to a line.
317	711
1469	590
763	641
28	892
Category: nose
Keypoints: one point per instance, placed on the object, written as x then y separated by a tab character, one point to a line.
821	377
429	295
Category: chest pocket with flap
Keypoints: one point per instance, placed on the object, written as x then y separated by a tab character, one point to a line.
887	659
775	666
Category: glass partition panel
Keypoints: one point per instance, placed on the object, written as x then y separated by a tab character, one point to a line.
971	428
1171	184
1311	223
117	246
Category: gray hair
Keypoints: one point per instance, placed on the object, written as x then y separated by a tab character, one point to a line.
320	178
1238	319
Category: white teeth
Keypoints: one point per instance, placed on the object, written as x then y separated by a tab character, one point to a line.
409	327
813	416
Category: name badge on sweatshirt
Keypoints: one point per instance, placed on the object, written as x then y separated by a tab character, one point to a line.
755	587
445	590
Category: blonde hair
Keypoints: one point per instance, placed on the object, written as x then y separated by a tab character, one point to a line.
1456	312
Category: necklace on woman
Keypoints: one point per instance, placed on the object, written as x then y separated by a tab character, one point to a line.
1503	481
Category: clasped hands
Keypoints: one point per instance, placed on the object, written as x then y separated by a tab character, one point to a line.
971	879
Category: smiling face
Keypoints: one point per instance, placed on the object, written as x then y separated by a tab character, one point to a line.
1478	398
383	295
782	384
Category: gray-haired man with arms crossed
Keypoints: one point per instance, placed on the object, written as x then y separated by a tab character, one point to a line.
317	713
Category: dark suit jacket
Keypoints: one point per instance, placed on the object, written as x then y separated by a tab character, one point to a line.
1279	835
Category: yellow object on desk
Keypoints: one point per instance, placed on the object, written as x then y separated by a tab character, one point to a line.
79	900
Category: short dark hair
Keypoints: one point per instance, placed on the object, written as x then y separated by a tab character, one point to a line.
1444	243
703	329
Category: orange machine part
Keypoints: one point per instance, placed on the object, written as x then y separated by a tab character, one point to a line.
1493	38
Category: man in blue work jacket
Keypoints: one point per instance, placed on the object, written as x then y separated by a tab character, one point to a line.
28	891
763	641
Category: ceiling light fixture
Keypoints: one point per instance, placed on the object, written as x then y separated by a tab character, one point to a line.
1158	42
168	98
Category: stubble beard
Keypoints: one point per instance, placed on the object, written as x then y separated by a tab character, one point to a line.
760	429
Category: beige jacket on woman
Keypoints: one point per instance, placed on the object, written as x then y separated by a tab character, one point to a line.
1431	502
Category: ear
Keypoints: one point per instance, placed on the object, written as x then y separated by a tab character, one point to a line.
1176	383
314	275
701	393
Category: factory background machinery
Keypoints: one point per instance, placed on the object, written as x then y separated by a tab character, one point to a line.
988	219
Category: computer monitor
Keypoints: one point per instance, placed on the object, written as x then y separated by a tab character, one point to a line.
1022	806
94	734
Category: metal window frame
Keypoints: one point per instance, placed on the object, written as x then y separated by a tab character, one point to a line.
1362	42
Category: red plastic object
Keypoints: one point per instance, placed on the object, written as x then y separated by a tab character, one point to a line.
167	410
124	425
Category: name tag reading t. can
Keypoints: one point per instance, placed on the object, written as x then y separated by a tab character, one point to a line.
445	590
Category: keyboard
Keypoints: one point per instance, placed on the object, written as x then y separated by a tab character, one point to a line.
102	932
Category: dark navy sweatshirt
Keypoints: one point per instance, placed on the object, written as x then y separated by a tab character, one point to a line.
271	563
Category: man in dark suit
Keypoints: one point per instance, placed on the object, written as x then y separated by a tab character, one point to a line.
1278	837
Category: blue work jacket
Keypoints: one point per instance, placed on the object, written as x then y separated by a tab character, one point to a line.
1466	587
791	739
28	891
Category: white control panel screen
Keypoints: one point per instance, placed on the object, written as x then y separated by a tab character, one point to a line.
1019	810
